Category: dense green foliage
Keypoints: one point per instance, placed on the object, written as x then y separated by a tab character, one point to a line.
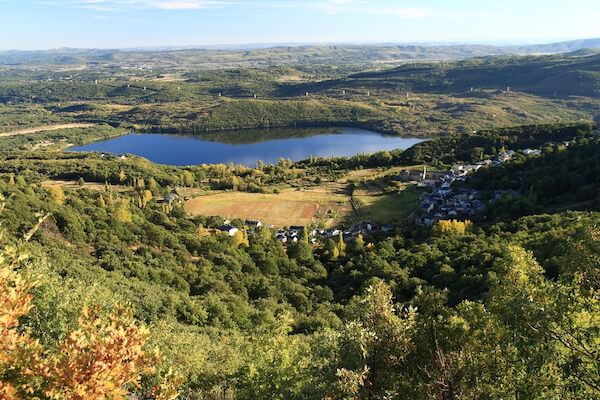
463	148
477	146
254	319
564	177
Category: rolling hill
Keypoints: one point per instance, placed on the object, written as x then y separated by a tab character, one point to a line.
325	54
575	74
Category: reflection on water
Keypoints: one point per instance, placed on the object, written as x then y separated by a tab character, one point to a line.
248	146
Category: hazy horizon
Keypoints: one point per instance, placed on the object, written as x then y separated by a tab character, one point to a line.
136	24
266	45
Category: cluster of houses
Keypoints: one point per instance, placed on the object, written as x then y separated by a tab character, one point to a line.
294	234
132	67
446	202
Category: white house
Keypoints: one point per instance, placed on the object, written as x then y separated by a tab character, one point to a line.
228	229
531	152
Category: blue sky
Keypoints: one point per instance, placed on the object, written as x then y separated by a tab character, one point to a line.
43	24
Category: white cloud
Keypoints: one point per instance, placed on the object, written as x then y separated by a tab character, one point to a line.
115	5
322	6
360	7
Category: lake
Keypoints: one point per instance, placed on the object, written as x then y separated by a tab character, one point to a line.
248	146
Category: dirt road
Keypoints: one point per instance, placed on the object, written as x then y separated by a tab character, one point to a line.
44	128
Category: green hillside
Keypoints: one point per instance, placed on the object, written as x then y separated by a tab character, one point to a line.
550	76
247	317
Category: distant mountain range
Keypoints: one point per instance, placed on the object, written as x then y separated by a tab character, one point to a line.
559	47
344	54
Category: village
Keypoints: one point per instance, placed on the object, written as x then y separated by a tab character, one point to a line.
442	201
445	201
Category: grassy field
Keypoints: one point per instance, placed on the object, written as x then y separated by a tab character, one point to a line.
87	185
326	205
283	209
388	207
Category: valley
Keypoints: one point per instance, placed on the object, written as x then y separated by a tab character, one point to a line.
353	222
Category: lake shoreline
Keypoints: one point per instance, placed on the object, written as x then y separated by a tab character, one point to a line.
370	126
247	147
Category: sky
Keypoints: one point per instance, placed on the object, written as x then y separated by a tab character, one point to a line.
47	24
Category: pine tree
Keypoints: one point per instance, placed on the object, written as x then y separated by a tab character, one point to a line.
332	249
152	185
341	244
359	243
101	203
305	235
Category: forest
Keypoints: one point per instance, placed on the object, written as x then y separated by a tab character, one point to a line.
505	307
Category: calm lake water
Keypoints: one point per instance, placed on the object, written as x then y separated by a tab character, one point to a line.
248	146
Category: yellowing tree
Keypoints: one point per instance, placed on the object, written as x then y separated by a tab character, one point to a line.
203	232
341	244
98	359
58	195
123	211
452	226
145	197
187	179
102	359
17	349
240	238
332	249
